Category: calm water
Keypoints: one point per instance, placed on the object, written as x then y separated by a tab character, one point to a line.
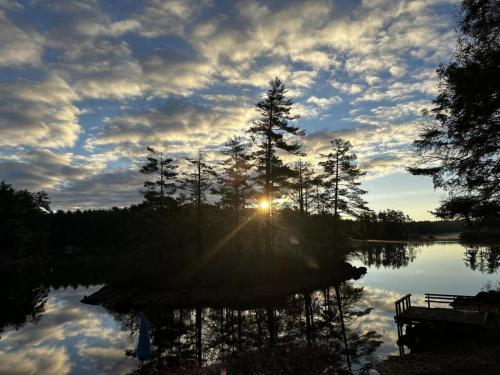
448	268
64	336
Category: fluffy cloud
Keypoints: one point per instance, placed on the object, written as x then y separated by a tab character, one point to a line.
36	360
170	17
18	47
347	88
384	115
399	91
171	73
34	113
43	169
381	150
180	123
116	188
324	102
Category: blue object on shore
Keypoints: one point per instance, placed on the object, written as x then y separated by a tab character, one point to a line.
143	350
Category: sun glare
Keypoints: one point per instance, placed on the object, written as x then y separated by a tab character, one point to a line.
264	204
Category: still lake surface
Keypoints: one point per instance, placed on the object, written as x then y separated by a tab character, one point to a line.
69	337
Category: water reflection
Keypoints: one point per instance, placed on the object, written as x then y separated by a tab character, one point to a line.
434	267
482	257
393	255
45	328
23	303
302	334
68	338
485	258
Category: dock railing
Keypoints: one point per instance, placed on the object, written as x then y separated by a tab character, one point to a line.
443	298
403	304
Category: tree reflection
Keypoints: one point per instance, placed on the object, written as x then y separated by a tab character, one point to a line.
304	333
23	300
387	255
484	258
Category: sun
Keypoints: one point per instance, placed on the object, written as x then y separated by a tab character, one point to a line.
264	204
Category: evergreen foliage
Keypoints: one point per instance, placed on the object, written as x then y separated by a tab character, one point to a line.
272	131
341	180
160	190
459	145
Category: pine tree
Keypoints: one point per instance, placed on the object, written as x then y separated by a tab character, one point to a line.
341	179
460	147
160	190
235	184
301	184
318	196
198	183
271	130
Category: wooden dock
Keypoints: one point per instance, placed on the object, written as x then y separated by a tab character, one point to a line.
417	314
406	314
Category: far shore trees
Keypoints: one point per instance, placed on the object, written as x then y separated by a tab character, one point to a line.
271	130
387	224
341	180
460	146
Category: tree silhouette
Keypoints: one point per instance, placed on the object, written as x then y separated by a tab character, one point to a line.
235	182
341	179
270	129
22	228
301	184
459	146
319	198
198	183
163	186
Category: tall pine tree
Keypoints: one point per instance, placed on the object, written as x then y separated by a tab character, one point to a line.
271	130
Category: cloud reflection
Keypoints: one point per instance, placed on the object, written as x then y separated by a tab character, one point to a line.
69	333
381	319
33	360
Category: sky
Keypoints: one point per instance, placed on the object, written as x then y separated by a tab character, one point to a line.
87	85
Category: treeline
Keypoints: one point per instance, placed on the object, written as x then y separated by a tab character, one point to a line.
395	225
137	229
31	229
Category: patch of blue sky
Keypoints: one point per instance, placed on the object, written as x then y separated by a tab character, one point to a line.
172	46
15	74
118	10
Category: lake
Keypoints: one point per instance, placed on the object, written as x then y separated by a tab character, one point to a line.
47	330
